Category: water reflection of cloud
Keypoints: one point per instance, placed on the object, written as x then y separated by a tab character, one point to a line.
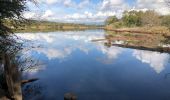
156	60
52	37
39	37
61	44
111	53
54	53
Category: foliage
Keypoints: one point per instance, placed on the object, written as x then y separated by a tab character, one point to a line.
12	10
139	18
111	19
10	17
166	21
132	18
118	24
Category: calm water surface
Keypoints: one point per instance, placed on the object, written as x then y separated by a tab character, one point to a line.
93	71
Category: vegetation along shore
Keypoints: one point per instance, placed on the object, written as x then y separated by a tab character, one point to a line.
140	22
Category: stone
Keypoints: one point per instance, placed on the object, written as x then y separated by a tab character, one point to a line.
70	96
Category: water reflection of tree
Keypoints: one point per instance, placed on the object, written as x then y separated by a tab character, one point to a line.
151	42
32	91
166	41
13	67
9	74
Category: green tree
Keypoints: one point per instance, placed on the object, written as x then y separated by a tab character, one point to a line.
10	13
11	10
131	18
111	20
165	20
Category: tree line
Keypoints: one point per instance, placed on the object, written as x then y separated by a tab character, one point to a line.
138	19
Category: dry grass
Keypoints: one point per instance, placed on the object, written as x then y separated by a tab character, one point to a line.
152	29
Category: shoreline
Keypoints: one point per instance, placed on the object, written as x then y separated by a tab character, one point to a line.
143	30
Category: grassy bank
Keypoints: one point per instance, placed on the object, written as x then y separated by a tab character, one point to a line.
145	30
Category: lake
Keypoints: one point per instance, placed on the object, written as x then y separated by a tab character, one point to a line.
73	63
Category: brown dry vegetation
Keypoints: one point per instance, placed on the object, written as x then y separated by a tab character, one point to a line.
146	30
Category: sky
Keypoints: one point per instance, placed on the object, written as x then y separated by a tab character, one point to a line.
89	11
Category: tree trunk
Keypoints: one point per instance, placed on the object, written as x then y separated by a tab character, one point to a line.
13	81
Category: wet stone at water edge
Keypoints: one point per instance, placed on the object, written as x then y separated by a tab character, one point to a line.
70	96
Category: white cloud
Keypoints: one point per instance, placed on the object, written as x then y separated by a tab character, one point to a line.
150	1
48	13
29	15
158	5
68	3
90	17
52	1
85	11
109	4
84	3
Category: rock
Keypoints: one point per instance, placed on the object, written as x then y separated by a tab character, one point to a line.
70	96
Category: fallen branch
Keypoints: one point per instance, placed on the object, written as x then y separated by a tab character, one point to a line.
28	81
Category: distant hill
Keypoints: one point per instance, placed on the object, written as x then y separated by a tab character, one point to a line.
34	25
